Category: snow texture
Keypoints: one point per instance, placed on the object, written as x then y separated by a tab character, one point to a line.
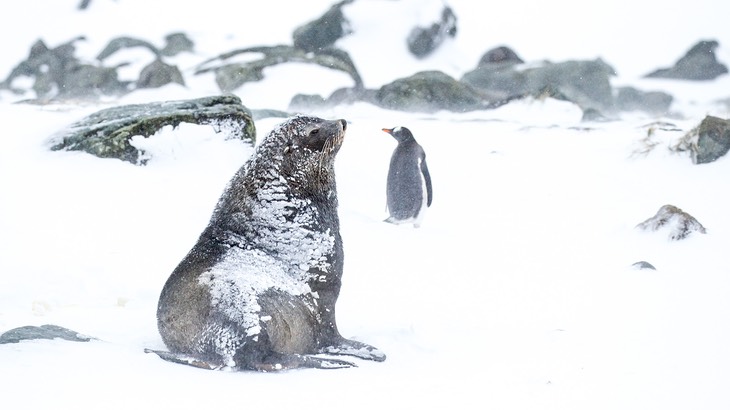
517	291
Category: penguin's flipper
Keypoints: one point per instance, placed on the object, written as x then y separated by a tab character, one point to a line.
427	179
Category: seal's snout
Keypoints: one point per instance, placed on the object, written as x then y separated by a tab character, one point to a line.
344	125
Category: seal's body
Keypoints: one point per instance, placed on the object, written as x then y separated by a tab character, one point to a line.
409	189
258	289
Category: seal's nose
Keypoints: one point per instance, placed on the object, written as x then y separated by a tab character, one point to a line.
344	124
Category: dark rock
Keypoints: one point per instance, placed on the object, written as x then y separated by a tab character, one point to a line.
176	43
88	81
107	133
679	223
59	74
700	63
643	265
708	141
324	31
430	91
593	115
230	76
422	41
585	83
42	332
303	102
157	73
499	57
352	95
121	43
268	113
341	96
652	102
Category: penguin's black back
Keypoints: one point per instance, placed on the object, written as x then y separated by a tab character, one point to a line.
407	183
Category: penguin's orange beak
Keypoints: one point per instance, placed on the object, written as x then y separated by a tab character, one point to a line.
388	130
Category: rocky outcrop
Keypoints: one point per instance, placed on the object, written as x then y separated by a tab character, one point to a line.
57	73
230	76
679	223
585	83
651	102
422	41
431	91
108	133
323	32
700	63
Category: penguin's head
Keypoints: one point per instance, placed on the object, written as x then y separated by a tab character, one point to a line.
401	134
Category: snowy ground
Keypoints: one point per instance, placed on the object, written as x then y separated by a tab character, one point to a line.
517	291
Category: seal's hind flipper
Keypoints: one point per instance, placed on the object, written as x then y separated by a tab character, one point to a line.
277	361
183	359
346	347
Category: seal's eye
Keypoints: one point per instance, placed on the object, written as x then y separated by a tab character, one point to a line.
314	132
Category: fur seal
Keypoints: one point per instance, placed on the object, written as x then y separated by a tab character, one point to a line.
258	289
409	189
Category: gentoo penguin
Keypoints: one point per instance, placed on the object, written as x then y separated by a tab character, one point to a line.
409	183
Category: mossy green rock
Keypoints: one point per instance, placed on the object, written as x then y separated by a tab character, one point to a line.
107	133
430	91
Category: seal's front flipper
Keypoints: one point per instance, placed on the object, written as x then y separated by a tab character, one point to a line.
354	348
183	359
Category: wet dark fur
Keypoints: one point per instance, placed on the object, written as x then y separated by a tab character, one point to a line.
290	176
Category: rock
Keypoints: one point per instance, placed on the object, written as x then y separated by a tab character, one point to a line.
641	265
121	43
708	141
652	102
42	332
352	95
267	113
679	223
430	91
422	41
59	74
157	73
86	81
347	95
713	140
700	63
305	102
499	57
230	76
176	43
107	133
585	83
323	32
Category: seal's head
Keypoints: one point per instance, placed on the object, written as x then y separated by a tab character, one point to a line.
308	149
